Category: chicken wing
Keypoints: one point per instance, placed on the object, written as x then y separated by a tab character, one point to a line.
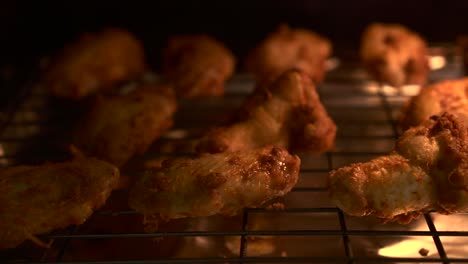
447	96
94	62
38	199
427	171
288	48
394	54
222	183
288	113
122	126
198	65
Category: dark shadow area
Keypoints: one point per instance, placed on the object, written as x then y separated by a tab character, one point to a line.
33	27
30	29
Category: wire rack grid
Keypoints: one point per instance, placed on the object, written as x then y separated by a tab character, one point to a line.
309	230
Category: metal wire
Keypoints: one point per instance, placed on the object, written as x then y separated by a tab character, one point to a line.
301	243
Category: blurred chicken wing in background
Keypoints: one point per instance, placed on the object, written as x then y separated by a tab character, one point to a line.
198	65
288	48
393	54
119	127
95	62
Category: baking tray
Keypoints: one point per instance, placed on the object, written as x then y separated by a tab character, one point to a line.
309	230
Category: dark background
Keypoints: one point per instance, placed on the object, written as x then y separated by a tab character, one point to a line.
29	29
33	27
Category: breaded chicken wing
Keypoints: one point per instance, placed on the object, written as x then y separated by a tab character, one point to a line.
94	62
287	113
394	54
288	48
428	171
198	65
447	96
122	126
38	199
211	184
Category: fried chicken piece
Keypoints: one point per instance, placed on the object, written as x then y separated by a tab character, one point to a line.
122	126
223	183
447	96
198	65
94	62
39	199
288	48
288	113
427	171
392	53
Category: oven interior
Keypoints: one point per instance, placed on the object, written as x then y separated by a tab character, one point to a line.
34	128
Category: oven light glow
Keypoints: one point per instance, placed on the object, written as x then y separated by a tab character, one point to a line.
3	162
176	134
332	63
388	90
437	62
203	242
455	246
409	248
410	89
256	246
371	88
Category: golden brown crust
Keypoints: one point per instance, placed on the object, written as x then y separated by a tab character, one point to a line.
95	62
288	48
198	65
427	172
38	199
447	96
211	184
393	54
122	126
288	113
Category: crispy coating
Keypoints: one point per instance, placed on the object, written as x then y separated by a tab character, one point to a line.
211	184
427	171
288	48
393	54
198	65
38	199
447	96
94	62
122	126
287	113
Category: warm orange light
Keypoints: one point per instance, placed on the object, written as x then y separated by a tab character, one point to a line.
332	63
371	88
3	162
455	246
409	248
437	62
176	134
410	89
388	90
256	246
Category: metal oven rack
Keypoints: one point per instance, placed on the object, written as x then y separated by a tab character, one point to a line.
309	230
